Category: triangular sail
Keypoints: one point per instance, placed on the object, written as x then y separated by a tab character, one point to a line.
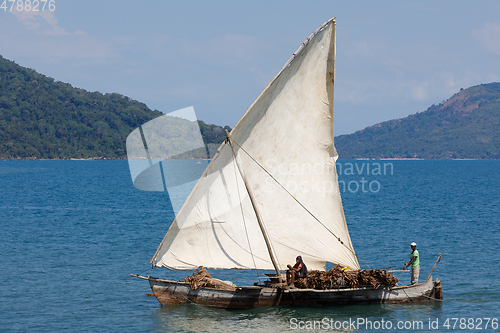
289	131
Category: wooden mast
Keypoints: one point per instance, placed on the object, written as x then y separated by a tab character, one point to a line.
259	220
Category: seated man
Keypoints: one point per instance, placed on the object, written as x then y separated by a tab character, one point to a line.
299	270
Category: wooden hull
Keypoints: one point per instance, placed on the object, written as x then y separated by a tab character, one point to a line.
174	292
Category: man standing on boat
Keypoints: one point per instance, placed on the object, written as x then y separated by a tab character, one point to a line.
414	262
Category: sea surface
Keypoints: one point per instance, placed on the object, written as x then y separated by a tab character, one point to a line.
72	232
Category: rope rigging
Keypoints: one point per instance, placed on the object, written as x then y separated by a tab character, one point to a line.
304	207
257	214
243	216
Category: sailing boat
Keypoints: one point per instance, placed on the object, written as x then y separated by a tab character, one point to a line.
271	193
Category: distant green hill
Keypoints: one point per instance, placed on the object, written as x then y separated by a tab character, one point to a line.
44	119
466	126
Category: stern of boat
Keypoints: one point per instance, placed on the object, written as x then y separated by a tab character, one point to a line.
437	292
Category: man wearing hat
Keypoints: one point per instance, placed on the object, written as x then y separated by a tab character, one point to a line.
414	262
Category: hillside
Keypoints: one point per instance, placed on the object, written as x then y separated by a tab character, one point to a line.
45	119
41	118
466	126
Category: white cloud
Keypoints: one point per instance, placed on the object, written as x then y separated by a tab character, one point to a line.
363	48
37	35
226	48
43	22
419	93
489	37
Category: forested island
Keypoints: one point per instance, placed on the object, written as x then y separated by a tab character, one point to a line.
41	118
466	126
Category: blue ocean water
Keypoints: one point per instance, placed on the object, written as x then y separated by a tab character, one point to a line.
73	231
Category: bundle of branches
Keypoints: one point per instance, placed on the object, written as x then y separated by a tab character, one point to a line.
336	277
202	279
376	277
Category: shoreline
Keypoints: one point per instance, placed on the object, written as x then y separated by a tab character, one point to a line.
208	159
419	159
91	159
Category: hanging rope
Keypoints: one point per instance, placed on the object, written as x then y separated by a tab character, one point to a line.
269	245
243	215
305	208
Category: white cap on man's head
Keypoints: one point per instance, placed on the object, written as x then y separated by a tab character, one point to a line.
413	244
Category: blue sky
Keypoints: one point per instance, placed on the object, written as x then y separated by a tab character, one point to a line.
394	58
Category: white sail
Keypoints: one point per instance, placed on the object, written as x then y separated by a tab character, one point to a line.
288	131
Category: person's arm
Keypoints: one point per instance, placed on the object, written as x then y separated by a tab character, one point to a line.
298	268
409	263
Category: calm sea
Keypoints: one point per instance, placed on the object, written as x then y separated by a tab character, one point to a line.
73	231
